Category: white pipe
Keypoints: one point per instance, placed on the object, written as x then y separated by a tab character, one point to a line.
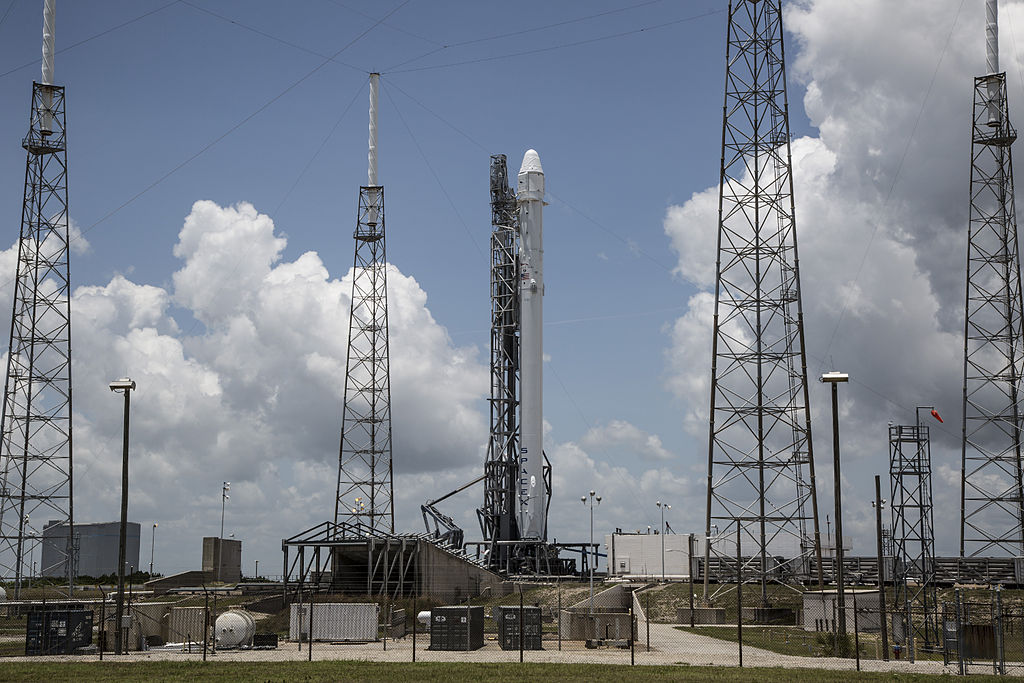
49	20
372	157
532	495
992	35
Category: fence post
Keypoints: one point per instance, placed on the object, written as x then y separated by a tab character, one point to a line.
387	625
1000	647
522	633
647	617
739	594
959	634
309	645
206	620
559	582
415	623
856	631
632	635
103	620
911	655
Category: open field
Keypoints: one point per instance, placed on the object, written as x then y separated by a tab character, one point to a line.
442	672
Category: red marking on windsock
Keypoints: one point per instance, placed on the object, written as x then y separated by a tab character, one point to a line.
935	414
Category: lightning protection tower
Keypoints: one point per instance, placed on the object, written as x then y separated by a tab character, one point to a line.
761	487
991	502
365	491
35	449
913	529
498	515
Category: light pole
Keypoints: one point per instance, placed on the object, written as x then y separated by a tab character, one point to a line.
152	550
663	507
257	577
585	501
834	378
220	541
878	504
124	386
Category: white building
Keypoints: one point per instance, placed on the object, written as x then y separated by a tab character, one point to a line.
639	555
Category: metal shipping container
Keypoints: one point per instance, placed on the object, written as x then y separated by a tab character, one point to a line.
508	619
332	621
456	628
57	632
185	624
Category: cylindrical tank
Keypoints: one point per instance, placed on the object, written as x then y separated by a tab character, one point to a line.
235	628
424	618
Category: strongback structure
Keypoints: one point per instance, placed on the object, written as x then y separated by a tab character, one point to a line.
760	487
913	529
36	445
991	502
365	490
498	520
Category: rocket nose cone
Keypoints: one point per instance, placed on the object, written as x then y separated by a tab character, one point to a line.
531	163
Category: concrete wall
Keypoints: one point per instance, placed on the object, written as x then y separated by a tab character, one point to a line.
227	552
639	555
97	548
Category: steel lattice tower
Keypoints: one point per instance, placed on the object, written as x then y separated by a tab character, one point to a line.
759	446
36	446
913	528
365	490
991	502
498	520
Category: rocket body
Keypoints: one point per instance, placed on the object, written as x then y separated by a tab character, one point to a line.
532	494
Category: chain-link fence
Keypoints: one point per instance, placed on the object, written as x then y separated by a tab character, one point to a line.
969	630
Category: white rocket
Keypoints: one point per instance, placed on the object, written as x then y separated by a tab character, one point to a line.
532	495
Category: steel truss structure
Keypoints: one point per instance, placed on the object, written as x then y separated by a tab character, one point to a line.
365	490
991	501
36	445
761	485
498	520
913	528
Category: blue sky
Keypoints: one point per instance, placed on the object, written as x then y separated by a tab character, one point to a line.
224	101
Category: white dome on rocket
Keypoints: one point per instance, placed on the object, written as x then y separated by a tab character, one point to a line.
531	162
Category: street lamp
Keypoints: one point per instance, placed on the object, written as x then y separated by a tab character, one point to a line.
220	542
124	386
663	507
583	499
834	378
152	550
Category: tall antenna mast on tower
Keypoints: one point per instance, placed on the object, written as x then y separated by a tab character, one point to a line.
759	446
991	500
35	444
365	491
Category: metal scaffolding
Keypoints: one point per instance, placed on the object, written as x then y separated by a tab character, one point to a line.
365	489
761	483
913	528
498	521
991	503
36	446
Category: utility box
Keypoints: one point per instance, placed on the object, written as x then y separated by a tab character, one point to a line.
456	628
509	618
335	621
57	632
186	624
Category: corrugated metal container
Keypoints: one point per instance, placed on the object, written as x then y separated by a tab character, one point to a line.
152	618
185	624
57	632
508	619
335	621
456	628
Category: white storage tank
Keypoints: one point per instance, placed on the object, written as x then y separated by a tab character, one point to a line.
335	621
3	593
235	628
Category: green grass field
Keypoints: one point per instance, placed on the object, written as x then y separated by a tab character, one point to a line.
432	671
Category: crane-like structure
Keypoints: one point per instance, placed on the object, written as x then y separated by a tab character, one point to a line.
35	444
760	477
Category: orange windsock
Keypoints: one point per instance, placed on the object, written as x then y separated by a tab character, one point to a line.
935	414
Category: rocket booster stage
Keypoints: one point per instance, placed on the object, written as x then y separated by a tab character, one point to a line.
532	494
